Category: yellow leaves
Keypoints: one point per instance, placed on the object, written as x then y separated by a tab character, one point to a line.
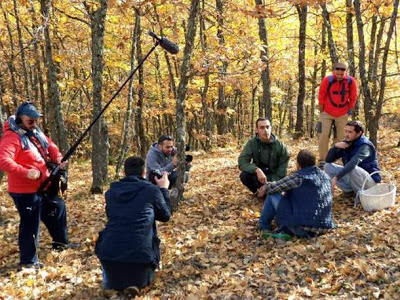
30	282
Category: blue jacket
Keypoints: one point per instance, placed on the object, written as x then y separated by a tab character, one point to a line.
310	204
132	207
369	164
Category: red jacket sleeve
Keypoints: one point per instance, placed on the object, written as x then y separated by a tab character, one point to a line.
9	147
54	152
353	93
323	90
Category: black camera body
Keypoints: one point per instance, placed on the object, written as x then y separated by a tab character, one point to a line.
188	157
153	174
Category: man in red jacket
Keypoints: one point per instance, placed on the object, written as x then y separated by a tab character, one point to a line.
24	152
337	98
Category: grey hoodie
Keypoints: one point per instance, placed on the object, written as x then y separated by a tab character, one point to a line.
156	160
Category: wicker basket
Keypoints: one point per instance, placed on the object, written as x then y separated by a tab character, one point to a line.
380	196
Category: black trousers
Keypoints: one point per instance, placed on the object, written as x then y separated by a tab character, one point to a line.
32	209
250	180
120	275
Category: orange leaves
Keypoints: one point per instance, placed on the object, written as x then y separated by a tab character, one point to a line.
210	248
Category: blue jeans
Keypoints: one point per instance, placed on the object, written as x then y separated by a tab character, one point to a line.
120	275
268	214
33	208
269	211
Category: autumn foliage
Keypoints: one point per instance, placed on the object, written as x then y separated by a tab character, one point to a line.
210	248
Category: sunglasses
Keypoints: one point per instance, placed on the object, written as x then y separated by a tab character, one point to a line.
31	122
340	69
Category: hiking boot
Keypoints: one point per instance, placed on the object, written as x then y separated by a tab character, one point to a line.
61	246
37	265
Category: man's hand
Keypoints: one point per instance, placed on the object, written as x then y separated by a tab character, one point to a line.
175	160
342	145
261	176
333	183
33	174
62	164
163	182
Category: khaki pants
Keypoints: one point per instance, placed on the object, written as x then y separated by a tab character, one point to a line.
325	128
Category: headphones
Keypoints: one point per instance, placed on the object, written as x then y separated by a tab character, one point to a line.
18	120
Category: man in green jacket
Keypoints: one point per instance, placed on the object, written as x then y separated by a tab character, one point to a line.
263	159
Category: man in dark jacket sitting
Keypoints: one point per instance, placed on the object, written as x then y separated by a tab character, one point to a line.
301	203
128	247
359	159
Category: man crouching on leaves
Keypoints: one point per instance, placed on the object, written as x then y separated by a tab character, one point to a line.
128	247
301	203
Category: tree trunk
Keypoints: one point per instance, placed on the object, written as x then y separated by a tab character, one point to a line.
374	130
371	49
57	128
128	127
10	62
350	38
206	115
139	117
313	92
22	52
266	103
323	49
350	49
100	139
2	117
222	125
181	99
361	64
331	42
38	69
302	11
374	62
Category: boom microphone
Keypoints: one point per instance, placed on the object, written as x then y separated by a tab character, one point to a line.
165	43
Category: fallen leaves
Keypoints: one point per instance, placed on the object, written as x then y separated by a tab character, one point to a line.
211	250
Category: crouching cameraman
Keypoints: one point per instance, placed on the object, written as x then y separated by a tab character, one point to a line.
162	158
128	247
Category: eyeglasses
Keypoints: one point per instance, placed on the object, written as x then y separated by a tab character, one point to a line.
340	69
31	121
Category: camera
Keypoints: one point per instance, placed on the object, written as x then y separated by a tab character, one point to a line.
188	157
153	174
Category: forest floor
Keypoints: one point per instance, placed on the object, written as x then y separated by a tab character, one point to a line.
211	249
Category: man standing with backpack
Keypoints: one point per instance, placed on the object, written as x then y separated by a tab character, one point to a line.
337	98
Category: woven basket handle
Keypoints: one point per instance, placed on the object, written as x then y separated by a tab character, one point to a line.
370	175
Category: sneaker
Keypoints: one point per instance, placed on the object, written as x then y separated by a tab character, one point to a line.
267	234
61	246
36	265
186	177
282	235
